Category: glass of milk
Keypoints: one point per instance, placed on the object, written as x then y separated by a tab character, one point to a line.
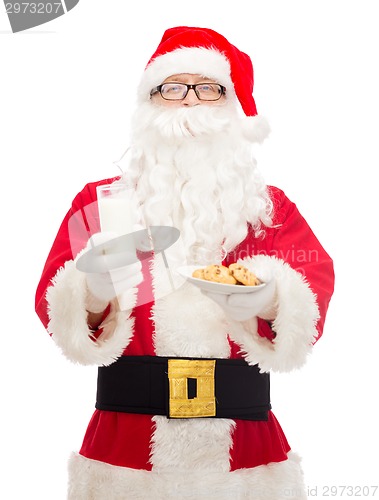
117	214
115	204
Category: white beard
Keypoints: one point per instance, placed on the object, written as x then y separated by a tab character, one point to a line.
193	169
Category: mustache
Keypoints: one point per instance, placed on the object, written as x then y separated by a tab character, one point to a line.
196	121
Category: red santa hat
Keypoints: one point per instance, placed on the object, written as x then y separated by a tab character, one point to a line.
205	52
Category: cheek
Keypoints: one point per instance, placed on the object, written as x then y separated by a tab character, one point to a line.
171	104
158	99
220	102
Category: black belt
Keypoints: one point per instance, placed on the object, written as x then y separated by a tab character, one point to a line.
184	388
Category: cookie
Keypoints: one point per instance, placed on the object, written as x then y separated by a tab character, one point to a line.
219	274
198	273
243	275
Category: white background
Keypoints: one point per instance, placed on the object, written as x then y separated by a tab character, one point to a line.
67	89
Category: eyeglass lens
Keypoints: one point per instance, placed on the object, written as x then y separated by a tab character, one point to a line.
178	91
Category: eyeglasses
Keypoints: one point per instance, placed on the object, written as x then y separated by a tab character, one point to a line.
179	91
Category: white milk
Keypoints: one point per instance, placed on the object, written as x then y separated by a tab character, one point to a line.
115	213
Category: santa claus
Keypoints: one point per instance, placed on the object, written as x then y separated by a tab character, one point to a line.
183	407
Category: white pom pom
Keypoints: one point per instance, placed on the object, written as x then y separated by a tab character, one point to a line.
255	128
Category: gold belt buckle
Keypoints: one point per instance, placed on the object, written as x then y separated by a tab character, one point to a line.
203	372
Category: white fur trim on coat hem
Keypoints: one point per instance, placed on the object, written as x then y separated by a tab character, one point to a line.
93	480
66	299
295	322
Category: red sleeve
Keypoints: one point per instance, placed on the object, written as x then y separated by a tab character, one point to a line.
292	240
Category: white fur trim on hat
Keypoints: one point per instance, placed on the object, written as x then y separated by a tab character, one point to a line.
66	299
295	323
194	60
255	128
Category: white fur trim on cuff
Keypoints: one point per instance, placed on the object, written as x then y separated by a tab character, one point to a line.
98	480
66	299
295	323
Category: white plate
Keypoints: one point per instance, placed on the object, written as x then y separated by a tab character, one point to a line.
210	286
121	250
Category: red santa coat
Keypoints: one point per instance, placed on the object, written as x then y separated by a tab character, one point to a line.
119	449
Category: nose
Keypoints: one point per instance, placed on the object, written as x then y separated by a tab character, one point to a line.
191	99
